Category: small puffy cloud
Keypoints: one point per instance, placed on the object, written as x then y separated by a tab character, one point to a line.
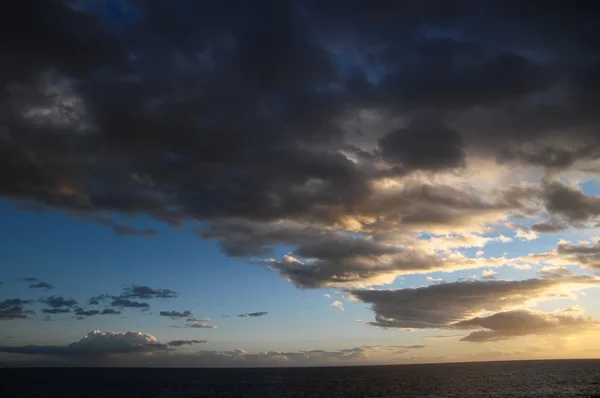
41	285
121	302
510	324
146	292
488	274
30	279
435	280
175	314
59	301
525	234
179	343
337	304
96	344
253	314
327	295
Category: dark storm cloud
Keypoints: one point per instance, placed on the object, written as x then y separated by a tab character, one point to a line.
439	306
56	310
121	302
253	314
58	302
509	324
241	116
175	314
14	309
41	285
179	343
425	144
228	106
146	292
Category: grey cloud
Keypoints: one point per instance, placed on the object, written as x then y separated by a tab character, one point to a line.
95	300
153	123
440	306
15	301
175	314
121	302
41	285
570	203
587	255
179	343
146	292
253	314
58	301
81	313
509	324
425	144
110	311
11	309
251	159
56	310
30	279
549	226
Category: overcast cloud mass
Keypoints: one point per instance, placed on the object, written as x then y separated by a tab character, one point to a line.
432	165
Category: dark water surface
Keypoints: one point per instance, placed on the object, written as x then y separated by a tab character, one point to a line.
572	378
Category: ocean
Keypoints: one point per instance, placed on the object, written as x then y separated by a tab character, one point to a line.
565	378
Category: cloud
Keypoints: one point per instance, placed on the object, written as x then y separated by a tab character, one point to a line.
440	306
175	314
96	344
11	309
81	313
443	336
95	300
194	319
327	295
510	324
489	274
179	343
56	310
121	302
364	160
110	311
200	326
337	304
58	302
253	314
41	285
146	292
30	279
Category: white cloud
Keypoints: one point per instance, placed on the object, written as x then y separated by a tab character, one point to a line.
337	304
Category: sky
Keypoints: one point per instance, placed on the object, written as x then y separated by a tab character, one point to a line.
298	183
